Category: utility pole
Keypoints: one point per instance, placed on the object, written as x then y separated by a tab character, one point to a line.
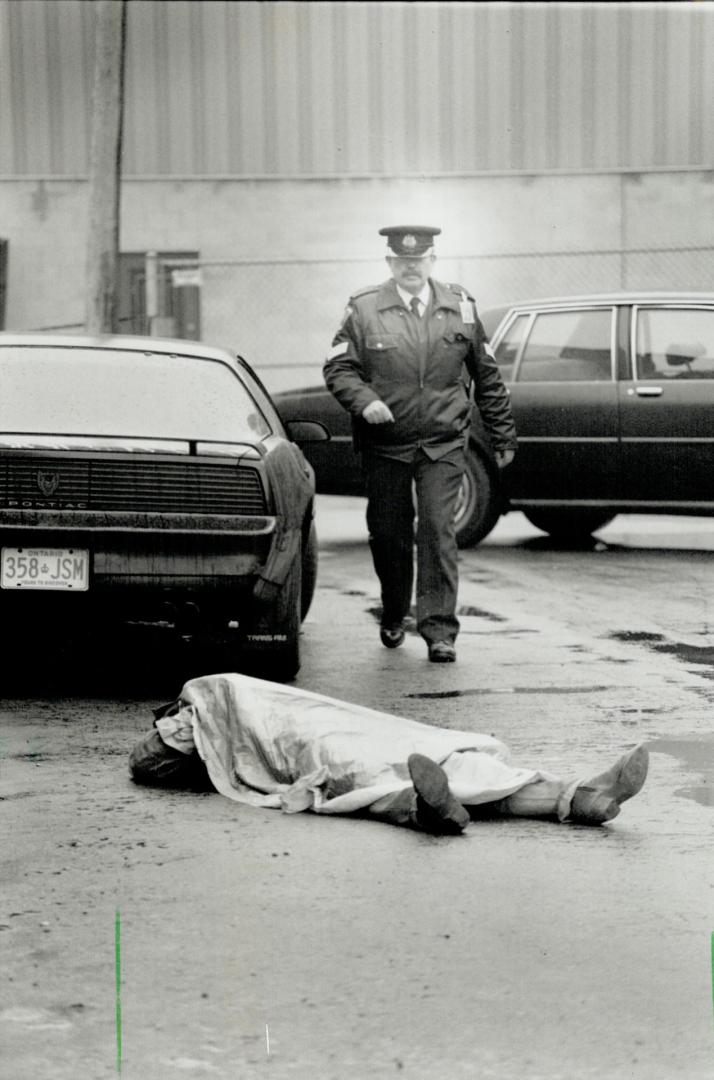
105	166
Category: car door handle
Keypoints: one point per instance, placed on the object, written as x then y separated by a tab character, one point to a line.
647	391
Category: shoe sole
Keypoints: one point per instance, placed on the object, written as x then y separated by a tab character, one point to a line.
627	780
432	787
438	657
390	643
631	774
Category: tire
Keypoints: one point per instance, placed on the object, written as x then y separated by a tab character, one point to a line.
478	505
309	571
572	524
271	641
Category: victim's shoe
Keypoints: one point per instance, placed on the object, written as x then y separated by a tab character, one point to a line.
598	800
437	810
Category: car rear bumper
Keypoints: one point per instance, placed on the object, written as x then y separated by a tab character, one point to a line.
99	522
129	553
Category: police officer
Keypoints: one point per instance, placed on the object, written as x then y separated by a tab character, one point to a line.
400	364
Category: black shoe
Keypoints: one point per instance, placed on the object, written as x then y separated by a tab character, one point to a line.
442	652
391	636
437	809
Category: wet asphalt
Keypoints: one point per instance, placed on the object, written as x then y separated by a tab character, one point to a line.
154	934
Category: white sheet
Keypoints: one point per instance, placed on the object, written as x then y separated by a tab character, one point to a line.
272	745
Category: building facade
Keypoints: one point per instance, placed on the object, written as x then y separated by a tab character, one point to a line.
560	147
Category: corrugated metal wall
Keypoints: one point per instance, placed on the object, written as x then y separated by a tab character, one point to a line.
239	88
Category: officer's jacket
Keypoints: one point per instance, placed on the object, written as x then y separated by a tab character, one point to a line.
420	368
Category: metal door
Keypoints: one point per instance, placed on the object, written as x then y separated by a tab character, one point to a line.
667	407
565	404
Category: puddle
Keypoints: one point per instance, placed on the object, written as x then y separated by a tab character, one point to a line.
697	756
635	635
703	795
691	654
439	694
481	690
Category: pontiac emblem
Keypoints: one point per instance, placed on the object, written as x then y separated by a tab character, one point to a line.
47	482
409	241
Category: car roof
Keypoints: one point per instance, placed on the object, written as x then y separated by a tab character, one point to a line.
620	297
123	343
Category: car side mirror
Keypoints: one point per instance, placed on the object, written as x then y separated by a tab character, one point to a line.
307	431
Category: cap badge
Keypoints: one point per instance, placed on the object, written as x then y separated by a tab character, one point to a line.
409	241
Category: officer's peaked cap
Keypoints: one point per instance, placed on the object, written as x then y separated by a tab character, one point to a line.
405	240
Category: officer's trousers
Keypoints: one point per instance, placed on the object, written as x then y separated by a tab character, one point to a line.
390	520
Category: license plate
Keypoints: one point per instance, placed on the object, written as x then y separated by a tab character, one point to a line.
45	568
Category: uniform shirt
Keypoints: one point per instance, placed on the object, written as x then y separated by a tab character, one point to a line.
420	368
423	297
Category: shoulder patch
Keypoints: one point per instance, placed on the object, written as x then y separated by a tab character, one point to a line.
364	292
338	350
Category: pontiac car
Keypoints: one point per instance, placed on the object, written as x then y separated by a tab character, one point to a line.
613	398
153	480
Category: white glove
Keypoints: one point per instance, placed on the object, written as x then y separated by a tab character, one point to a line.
504	458
377	413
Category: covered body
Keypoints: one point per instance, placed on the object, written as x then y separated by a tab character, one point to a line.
267	744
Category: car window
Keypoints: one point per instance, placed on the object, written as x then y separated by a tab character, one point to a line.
675	343
568	346
79	391
509	345
262	397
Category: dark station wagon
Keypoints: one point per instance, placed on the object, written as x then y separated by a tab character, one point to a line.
613	398
153	480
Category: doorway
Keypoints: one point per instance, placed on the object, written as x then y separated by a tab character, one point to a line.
178	295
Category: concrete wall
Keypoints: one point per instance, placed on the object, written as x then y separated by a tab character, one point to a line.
281	257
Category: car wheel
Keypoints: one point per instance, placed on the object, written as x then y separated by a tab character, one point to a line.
477	507
569	524
271	640
309	571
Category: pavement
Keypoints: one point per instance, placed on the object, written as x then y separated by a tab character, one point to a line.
161	934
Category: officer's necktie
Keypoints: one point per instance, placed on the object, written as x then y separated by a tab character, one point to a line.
414	305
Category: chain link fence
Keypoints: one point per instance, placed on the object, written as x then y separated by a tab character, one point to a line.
281	316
